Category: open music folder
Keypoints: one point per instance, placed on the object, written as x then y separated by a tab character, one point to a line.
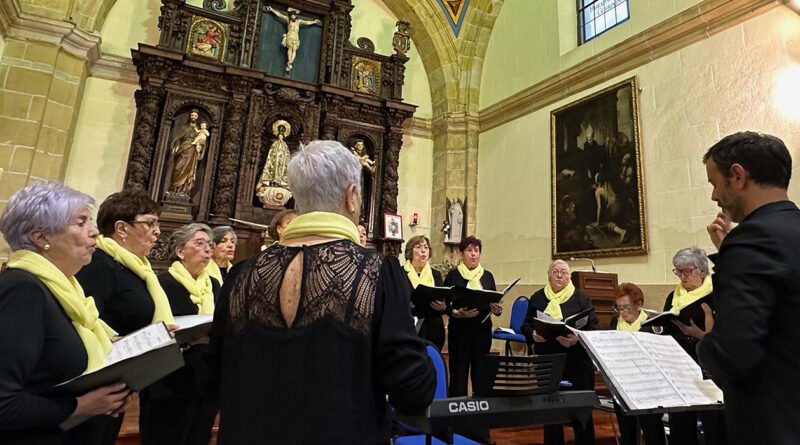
139	359
192	327
550	328
650	373
461	297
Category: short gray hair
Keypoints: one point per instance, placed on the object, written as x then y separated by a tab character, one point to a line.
691	256
219	232
553	264
320	174
182	235
47	206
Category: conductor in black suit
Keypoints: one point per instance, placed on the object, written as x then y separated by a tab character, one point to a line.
753	350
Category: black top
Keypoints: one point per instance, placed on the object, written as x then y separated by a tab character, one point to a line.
454	278
40	349
579	301
438	282
688	343
179	299
325	379
753	351
120	295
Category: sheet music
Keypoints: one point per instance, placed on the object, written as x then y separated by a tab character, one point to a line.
190	321
649	371
139	342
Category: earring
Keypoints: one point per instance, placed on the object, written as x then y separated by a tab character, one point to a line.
46	247
124	238
352	209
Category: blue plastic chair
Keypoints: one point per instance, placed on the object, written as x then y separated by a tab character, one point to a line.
440	393
518	311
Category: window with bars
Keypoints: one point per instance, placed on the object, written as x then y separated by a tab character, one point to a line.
598	16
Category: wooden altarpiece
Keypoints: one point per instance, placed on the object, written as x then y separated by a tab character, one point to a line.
226	64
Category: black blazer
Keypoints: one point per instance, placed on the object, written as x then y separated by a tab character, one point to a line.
753	351
39	348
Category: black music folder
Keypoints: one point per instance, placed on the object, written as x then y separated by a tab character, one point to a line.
684	316
464	298
192	327
423	296
138	359
550	328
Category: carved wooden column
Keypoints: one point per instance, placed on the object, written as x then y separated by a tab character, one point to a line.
148	103
228	166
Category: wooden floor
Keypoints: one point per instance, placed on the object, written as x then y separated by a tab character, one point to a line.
605	428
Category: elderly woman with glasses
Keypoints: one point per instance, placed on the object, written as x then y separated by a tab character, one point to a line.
225	240
628	302
124	286
50	331
560	299
313	335
691	267
177	410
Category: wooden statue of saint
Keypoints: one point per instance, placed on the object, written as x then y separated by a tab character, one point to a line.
291	39
187	149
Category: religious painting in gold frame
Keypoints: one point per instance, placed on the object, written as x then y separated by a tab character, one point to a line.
597	194
365	75
207	38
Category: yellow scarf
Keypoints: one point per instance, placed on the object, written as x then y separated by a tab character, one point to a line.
682	297
556	299
623	325
473	276
327	224
93	332
214	270
200	290
425	277
140	266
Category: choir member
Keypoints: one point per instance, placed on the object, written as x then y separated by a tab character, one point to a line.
225	240
419	271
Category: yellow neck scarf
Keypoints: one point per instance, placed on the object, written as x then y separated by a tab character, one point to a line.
93	332
425	277
623	325
214	271
200	290
473	276
556	299
327	224
141	267
682	297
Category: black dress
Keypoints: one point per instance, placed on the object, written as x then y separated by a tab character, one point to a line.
578	368
125	304
40	349
433	325
177	410
325	379
468	339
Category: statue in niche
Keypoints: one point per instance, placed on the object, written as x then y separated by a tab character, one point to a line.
367	172
455	220
187	149
291	39
273	185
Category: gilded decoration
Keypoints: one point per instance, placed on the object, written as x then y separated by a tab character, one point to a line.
207	38
365	75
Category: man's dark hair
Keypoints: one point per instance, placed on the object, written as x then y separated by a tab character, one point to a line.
765	157
123	206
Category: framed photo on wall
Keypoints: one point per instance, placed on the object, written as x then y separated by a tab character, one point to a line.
392	226
597	197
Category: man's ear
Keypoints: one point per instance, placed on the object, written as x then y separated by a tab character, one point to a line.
738	175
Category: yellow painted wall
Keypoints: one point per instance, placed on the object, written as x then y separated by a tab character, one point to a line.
533	40
415	183
689	100
127	24
102	140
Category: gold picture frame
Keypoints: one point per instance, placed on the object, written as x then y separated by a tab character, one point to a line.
207	38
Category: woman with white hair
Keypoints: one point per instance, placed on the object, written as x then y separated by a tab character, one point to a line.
690	265
225	239
176	410
50	331
317	328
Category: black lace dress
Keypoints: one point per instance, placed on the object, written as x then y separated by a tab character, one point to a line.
325	379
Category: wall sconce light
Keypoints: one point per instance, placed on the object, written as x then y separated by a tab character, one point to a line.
414	220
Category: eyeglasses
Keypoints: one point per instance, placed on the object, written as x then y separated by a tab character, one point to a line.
684	272
621	307
201	243
560	273
152	224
